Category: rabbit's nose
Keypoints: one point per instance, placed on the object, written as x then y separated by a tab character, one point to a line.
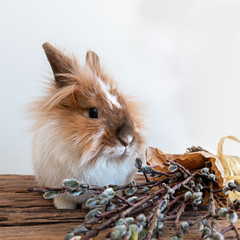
126	140
124	134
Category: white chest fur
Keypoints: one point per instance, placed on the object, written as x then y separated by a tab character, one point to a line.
55	160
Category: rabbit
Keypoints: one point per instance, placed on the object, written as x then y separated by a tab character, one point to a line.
84	128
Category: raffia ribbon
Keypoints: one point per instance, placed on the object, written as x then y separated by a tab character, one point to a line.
231	165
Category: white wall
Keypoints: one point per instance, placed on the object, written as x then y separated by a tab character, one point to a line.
181	58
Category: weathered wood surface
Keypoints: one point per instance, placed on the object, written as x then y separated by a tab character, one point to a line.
26	215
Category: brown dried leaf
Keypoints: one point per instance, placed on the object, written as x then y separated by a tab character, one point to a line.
191	161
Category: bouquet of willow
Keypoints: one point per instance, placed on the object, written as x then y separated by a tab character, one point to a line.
144	207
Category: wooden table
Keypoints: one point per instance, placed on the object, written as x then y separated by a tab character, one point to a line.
26	215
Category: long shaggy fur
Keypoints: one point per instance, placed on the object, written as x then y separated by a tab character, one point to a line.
67	143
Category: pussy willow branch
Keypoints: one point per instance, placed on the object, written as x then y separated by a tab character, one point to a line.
206	216
141	209
227	229
176	187
64	189
188	188
175	209
170	204
95	231
130	209
150	203
161	173
109	213
153	222
123	214
234	228
180	211
99	217
207	177
116	188
180	166
127	211
219	202
104	225
93	188
123	199
237	232
157	208
212	208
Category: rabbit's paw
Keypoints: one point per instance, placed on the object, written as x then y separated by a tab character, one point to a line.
62	203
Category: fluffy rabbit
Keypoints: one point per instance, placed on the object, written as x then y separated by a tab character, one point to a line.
85	128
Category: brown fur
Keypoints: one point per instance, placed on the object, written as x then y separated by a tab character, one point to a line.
73	91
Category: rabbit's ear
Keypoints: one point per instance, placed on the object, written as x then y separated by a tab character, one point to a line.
93	61
60	64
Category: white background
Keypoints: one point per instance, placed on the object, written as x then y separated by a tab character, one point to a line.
180	58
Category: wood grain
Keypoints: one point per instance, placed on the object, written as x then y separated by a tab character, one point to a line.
26	215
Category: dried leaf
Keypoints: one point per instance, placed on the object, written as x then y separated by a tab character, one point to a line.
191	161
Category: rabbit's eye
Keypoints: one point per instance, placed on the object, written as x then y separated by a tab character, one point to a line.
93	113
